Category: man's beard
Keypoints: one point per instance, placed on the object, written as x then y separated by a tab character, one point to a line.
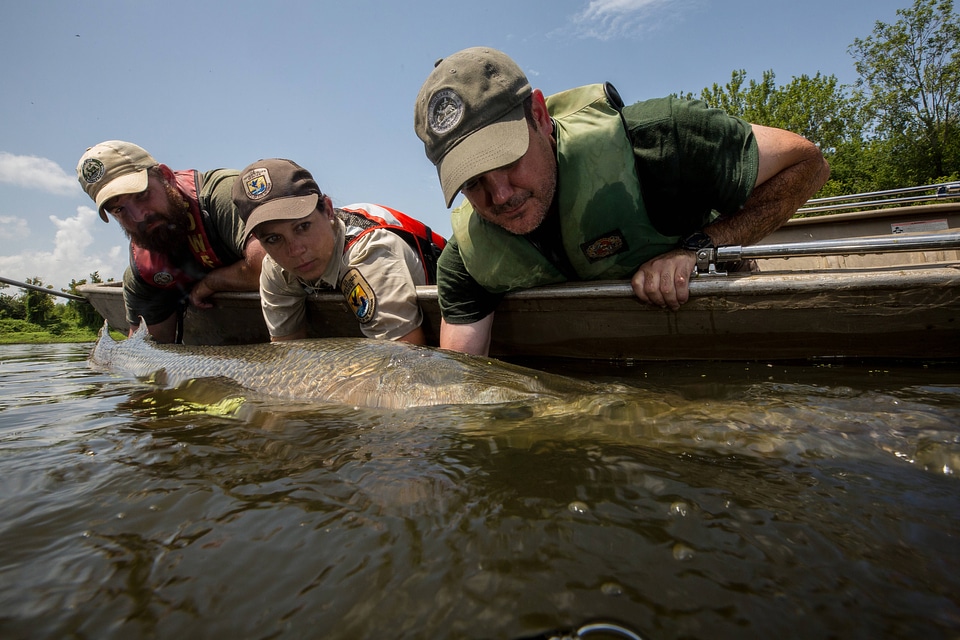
170	236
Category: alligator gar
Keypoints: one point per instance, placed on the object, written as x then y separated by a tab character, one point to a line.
353	371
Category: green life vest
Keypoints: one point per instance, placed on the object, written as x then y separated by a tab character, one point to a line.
603	222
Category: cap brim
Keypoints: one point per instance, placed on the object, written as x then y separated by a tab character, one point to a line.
496	145
282	209
129	183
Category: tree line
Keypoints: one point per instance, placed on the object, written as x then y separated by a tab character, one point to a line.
32	316
896	126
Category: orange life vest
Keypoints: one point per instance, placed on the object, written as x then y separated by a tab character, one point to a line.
158	269
360	219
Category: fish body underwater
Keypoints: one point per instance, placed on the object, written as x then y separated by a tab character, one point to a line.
354	371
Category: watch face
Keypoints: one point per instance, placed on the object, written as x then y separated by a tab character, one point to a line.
696	241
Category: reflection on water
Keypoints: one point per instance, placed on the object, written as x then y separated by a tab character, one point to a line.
716	500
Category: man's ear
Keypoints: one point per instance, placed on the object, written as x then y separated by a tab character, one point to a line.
538	109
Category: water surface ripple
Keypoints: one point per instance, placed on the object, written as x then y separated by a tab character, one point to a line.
714	501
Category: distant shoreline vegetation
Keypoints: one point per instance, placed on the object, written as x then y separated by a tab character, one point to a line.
14	331
29	316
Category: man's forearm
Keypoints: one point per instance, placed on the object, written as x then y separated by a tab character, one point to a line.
771	204
236	277
243	275
790	170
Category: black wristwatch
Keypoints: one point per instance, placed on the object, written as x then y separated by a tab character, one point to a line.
702	245
696	241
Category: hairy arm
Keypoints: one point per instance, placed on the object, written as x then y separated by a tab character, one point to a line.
243	275
791	169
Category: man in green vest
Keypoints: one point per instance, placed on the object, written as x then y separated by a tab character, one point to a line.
577	186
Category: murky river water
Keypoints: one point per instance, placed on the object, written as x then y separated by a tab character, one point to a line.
718	501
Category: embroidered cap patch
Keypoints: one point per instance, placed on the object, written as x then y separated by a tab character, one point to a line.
445	111
92	170
257	183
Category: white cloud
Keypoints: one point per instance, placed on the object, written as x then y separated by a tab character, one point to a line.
608	19
33	172
71	257
13	228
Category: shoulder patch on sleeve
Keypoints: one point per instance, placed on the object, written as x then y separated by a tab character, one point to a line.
359	295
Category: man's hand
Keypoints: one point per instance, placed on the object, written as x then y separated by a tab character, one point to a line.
199	294
243	275
664	281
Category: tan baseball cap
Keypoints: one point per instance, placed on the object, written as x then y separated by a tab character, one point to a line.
274	189
469	114
113	168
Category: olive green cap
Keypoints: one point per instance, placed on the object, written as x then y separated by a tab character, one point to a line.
469	115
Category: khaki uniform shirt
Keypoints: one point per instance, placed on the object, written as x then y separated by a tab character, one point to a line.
378	276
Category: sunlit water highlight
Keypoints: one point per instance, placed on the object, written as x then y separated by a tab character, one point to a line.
720	500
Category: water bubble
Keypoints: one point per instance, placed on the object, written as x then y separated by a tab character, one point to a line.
578	507
679	508
611	589
682	552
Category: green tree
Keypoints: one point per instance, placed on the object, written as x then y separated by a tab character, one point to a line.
817	107
910	89
84	312
39	306
11	306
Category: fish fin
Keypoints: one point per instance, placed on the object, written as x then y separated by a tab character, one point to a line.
104	344
142	332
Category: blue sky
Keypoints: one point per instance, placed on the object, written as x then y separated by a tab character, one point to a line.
331	85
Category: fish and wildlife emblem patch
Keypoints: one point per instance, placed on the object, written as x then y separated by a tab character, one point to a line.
359	295
257	183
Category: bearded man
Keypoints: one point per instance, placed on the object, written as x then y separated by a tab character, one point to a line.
187	240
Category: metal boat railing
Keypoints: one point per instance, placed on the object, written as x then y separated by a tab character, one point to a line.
924	193
33	287
708	257
843	246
